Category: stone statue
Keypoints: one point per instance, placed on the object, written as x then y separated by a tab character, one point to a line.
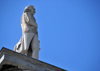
29	43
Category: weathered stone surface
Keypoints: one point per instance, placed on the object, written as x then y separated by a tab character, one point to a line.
24	62
29	43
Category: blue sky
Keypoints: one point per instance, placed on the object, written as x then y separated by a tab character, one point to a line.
69	31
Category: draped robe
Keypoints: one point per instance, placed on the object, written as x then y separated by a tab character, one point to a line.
30	34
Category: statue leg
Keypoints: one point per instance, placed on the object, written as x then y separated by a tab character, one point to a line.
27	40
35	47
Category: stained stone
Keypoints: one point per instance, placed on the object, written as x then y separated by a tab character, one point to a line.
29	43
19	62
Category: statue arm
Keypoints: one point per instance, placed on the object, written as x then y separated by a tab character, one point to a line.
30	20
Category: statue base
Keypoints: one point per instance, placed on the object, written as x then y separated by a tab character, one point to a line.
13	61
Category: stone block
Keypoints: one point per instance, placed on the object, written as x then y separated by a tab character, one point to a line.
13	61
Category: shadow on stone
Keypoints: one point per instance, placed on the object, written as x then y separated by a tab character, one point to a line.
7	67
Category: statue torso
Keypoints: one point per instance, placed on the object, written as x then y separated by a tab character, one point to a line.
26	27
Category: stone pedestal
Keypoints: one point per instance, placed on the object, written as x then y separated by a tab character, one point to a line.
13	61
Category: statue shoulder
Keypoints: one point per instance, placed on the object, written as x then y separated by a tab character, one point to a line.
25	17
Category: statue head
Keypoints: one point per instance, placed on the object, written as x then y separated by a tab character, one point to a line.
30	8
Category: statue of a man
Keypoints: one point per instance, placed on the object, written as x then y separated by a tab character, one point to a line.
29	43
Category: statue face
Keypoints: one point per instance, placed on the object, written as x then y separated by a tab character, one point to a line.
31	8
